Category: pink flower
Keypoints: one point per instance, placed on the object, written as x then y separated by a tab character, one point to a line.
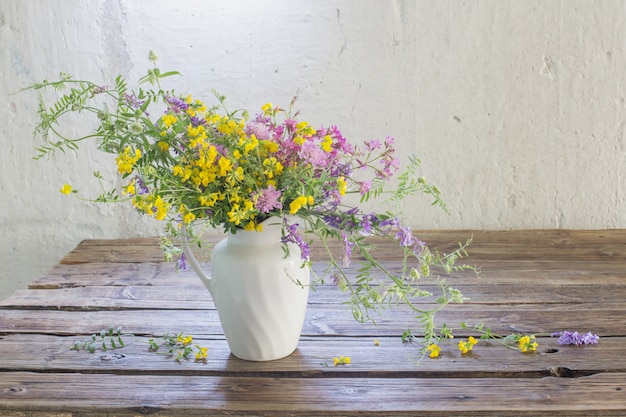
313	154
258	129
268	199
365	186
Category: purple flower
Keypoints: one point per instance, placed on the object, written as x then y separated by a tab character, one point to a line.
366	223
365	186
181	264
140	187
347	249
268	199
575	338
132	101
391	166
290	124
176	104
405	237
291	235
372	145
196	121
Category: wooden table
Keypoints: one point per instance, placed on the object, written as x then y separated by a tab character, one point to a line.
531	282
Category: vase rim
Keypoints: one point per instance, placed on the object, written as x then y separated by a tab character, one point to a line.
272	229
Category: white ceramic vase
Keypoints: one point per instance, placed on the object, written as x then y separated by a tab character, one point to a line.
260	295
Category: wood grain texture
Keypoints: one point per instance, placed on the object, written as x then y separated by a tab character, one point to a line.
531	281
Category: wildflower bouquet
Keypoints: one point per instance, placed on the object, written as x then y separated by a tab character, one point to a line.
189	163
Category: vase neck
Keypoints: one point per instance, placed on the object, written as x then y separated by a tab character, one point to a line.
271	233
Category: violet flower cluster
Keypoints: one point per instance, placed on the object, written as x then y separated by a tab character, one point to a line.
574	338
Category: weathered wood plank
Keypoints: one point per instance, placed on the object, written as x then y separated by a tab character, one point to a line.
192	293
329	319
568	244
600	394
390	358
537	272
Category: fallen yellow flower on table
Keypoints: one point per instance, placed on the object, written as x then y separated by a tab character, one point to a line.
434	350
342	360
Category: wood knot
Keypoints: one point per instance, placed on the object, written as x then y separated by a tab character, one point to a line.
146	411
111	357
562	372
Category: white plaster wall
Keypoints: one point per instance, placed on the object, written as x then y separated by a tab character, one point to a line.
515	107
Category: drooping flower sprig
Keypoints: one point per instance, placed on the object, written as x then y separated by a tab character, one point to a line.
187	162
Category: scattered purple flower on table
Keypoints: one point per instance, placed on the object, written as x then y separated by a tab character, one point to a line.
574	338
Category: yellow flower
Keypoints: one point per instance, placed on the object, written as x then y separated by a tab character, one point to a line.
178	171
268	109
342	185
188	218
304	128
528	344
327	143
342	360
270	146
202	353
161	208
466	346
434	350
252	226
250	144
236	215
272	167
225	166
297	204
184	340
164	146
125	161
168	120
130	188
196	131
66	189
